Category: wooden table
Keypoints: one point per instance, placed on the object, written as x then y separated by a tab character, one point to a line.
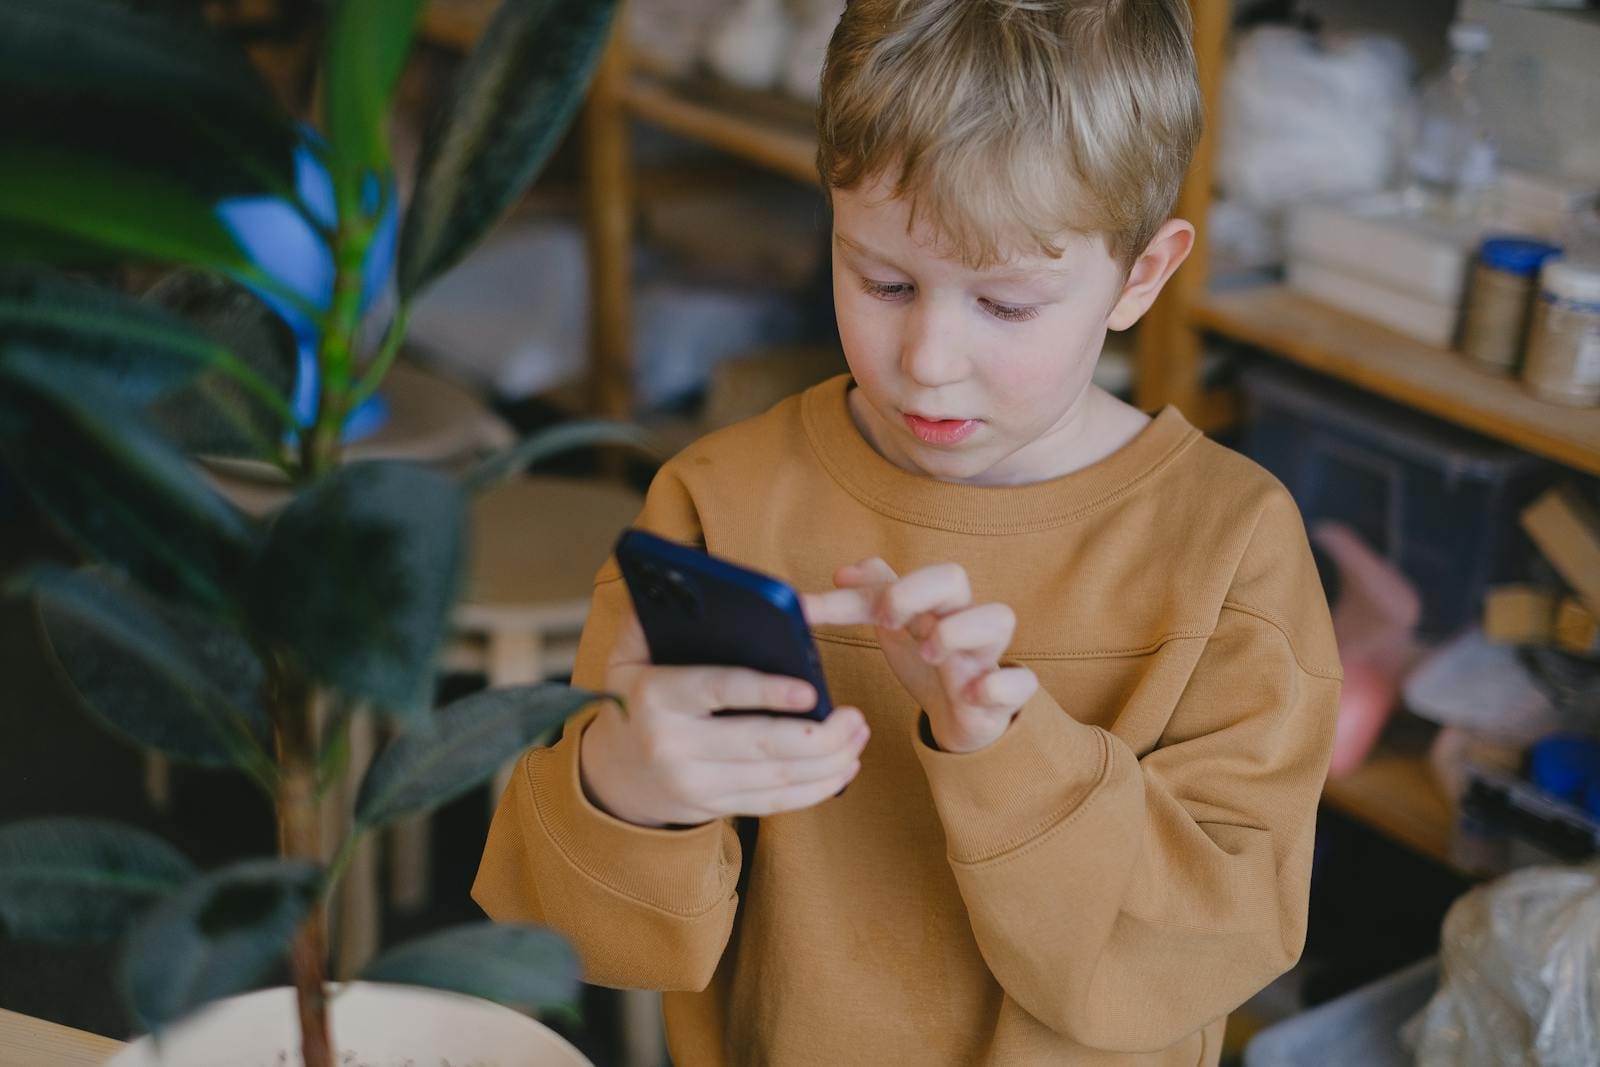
29	1042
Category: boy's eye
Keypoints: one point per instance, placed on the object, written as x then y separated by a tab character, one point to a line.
1011	314
883	291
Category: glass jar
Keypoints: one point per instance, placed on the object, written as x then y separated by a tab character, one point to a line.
1504	282
1563	364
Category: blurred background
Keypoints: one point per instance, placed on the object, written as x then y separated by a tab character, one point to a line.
1394	306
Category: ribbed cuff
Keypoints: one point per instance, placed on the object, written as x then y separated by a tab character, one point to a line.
1044	767
685	872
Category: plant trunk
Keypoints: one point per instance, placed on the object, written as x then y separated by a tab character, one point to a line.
300	837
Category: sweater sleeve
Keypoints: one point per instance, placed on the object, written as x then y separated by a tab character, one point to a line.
1129	902
644	908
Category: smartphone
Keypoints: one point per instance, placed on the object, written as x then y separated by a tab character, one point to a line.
698	610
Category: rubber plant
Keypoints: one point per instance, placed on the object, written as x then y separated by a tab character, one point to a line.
127	129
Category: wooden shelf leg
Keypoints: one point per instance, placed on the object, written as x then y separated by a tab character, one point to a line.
358	908
158	782
1167	351
608	218
642	1029
515	658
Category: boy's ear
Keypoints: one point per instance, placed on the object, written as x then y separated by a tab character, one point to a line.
1164	254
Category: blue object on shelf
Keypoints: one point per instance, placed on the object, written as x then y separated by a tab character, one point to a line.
280	240
1566	766
1521	256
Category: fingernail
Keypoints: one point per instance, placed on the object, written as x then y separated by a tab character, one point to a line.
801	696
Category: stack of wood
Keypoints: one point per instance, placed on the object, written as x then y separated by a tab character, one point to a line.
1566	530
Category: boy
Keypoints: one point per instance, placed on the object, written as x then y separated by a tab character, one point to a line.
1081	658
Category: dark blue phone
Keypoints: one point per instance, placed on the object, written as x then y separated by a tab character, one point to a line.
698	610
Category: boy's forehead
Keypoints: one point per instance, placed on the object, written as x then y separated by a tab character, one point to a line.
872	221
1013	267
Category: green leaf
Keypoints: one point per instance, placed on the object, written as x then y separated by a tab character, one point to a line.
22	244
132	349
165	678
124	495
517	93
219	936
153	91
520	966
563	438
367	46
239	407
59	194
66	880
358	576
126	49
459	747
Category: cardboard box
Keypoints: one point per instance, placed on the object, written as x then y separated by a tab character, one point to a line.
1385	244
1519	614
1567	531
1423	320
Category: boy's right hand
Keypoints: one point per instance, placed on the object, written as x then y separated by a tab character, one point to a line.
668	761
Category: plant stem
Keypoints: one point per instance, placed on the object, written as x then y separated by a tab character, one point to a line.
300	837
336	352
374	374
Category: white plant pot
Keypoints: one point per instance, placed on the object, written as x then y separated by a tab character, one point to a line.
373	1025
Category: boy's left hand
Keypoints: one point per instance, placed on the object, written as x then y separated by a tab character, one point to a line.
944	649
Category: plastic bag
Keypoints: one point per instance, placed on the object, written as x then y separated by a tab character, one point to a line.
1308	118
1520	984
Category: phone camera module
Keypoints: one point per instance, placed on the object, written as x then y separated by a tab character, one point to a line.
679	589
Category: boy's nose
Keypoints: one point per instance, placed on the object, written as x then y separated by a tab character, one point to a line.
930	352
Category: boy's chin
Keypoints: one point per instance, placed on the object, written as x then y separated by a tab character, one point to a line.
966	462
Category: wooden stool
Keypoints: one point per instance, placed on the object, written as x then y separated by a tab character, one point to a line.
536	546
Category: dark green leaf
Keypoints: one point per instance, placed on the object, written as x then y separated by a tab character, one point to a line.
123	494
459	747
563	438
367	45
516	96
358	577
163	677
23	244
67	195
239	407
81	879
522	967
152	91
134	350
120	48
219	936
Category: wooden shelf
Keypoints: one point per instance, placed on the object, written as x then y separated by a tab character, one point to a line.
455	23
1395	794
769	130
1433	380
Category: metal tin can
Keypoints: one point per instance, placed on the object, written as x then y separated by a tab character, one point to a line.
1563	364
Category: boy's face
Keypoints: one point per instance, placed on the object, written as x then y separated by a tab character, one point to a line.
1002	358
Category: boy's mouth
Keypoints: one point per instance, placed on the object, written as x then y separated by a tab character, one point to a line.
941	431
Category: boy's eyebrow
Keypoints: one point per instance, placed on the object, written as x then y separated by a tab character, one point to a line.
992	274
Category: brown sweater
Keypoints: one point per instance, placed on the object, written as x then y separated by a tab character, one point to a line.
1126	865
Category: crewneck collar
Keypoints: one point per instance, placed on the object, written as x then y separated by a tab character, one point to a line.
981	509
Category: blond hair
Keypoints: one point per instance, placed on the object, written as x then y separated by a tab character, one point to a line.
1009	121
